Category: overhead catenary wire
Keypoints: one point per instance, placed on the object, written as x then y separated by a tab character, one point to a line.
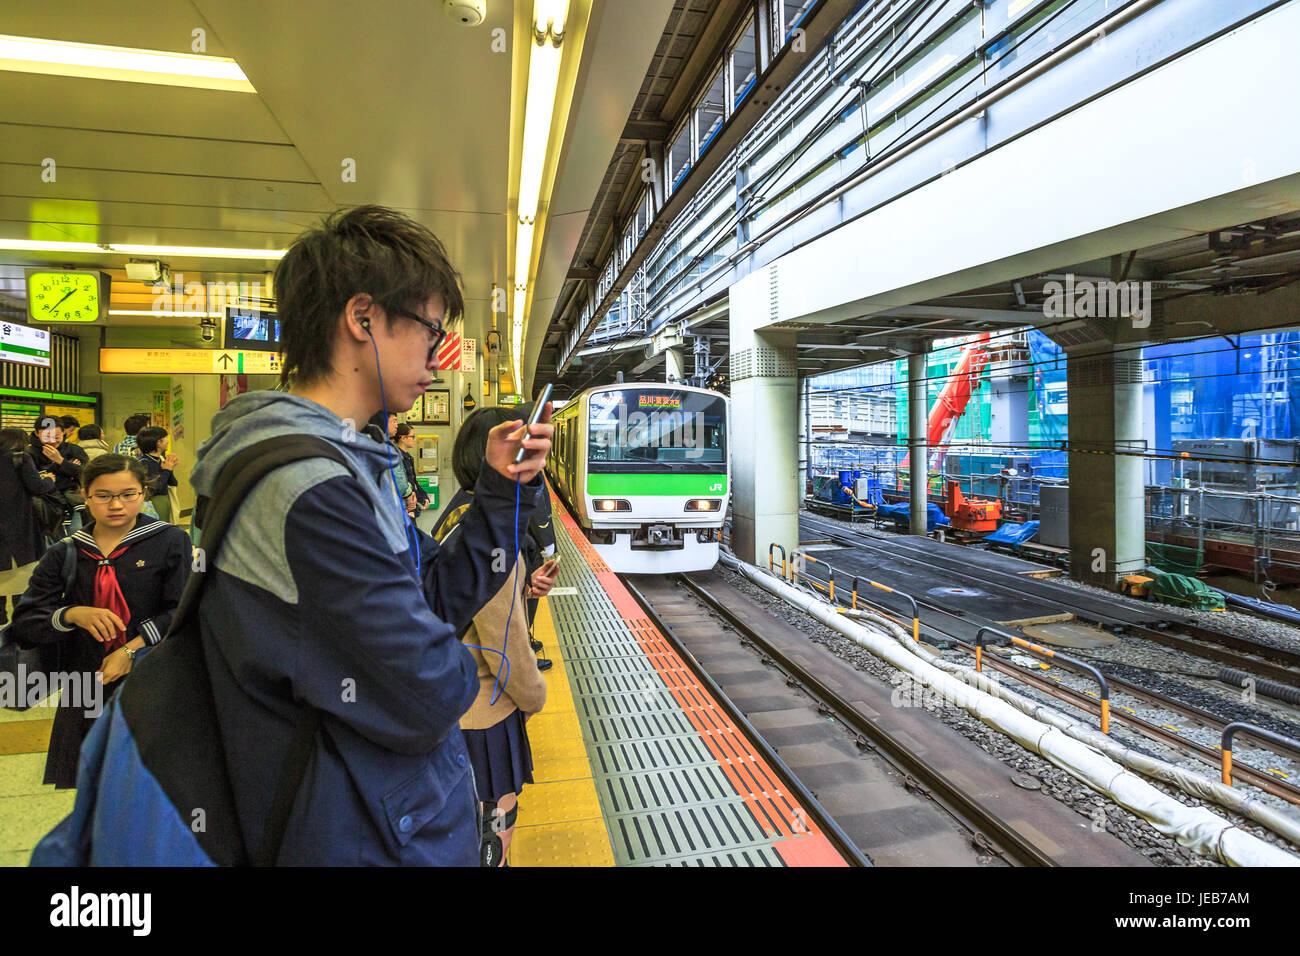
879	157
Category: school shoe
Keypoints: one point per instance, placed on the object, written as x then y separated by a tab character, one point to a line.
544	664
536	645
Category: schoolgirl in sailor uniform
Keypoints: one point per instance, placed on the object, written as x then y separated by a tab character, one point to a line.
130	572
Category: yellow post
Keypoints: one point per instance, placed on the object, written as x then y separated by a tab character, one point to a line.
916	630
979	658
855	599
1227	767
1105	717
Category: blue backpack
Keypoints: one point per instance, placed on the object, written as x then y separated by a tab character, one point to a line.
153	787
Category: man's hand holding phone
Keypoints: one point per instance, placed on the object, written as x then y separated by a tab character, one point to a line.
507	439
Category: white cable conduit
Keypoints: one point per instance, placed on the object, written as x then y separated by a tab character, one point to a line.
1063	741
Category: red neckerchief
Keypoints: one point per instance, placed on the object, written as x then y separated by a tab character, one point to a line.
108	593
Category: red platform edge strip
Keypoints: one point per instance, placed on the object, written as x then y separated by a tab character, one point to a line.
796	838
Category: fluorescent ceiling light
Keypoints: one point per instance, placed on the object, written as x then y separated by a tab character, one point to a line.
550	13
40	245
539	109
132	249
95	61
209	252
543	77
523	250
165	312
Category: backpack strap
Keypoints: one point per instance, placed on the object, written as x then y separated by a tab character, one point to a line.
236	480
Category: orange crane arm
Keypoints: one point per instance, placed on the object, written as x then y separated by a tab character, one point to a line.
952	401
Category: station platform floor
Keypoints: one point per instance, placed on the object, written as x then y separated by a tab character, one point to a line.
635	763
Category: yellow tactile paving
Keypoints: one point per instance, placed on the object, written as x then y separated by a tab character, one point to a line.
559	802
576	843
548	767
560	822
26	736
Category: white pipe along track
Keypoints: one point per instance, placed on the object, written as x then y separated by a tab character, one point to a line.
1076	748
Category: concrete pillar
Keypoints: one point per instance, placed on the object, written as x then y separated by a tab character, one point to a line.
805	436
1106	500
1157	400
918	407
764	439
674	365
1009	407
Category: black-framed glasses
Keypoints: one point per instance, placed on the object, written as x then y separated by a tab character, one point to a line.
439	333
129	496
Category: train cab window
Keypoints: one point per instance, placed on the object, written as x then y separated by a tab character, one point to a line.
662	429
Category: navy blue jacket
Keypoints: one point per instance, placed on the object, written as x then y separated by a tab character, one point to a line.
314	599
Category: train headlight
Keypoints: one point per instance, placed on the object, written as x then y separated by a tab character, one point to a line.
704	504
611	504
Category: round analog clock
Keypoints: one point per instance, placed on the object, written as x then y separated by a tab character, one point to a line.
66	295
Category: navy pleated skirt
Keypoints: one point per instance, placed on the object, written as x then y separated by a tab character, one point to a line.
501	757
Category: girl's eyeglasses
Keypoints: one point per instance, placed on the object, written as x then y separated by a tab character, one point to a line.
103	497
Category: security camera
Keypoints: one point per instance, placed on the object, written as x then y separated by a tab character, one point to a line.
469	13
208	330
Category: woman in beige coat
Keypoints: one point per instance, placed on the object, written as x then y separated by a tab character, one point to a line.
511	688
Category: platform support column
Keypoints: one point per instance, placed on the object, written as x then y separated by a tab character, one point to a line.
917	408
1107	494
674	366
764	441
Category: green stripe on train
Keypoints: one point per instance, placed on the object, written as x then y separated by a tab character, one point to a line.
601	485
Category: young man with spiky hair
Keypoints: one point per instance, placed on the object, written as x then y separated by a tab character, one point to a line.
314	599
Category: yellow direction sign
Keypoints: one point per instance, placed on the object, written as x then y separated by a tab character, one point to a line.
188	361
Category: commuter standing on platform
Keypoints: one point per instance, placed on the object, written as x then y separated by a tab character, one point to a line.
404	439
511	687
158	465
91	440
327	621
130	570
22	542
71	428
64	461
127	446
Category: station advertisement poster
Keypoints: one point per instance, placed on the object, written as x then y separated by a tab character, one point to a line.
161	411
177	427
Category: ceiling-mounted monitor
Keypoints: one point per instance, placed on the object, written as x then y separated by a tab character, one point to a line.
252	330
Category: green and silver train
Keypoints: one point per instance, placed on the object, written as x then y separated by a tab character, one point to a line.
646	471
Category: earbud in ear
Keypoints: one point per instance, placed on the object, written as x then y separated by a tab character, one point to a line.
365	324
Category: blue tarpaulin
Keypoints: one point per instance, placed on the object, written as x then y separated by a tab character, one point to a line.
1012	533
901	513
1283	612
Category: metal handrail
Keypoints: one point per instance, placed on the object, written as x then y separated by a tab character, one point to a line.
916	614
771	566
1048	652
1286	743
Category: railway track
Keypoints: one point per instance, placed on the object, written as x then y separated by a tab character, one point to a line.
1265	660
941	626
933	787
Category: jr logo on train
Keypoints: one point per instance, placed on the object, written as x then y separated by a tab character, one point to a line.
646	471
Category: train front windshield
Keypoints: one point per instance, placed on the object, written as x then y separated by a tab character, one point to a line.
657	429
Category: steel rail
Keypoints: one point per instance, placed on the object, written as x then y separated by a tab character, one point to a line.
1272	667
832	830
968	810
1257	778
